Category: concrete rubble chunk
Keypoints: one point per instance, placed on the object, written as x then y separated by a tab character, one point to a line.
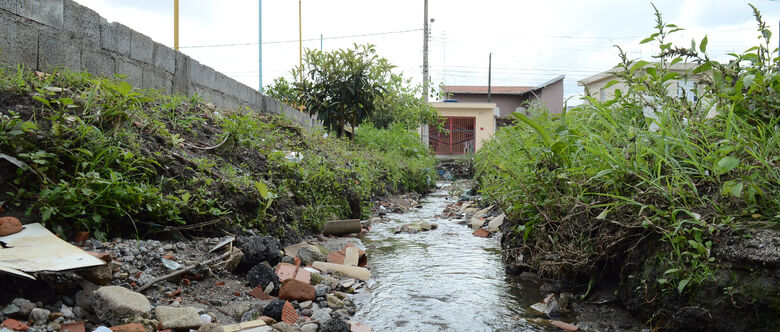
178	318
112	304
494	224
477	222
351	257
352	271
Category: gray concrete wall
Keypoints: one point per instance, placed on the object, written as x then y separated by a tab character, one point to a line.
46	35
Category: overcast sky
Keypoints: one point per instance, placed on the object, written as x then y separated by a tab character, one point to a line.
531	41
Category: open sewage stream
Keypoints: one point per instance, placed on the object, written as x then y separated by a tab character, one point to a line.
442	280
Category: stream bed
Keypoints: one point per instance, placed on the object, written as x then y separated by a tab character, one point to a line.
445	279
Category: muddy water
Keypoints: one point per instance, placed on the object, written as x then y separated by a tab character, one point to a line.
442	280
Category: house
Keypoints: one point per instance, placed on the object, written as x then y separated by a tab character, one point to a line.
466	127
596	85
509	98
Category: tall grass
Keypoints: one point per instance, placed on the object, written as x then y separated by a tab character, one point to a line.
587	187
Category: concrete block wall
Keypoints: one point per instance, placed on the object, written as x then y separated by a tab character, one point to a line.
49	34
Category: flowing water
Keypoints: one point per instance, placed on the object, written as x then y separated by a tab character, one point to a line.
441	280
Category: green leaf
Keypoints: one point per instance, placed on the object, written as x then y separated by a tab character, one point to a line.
703	44
702	68
543	133
647	40
736	190
682	285
726	164
748	80
611	83
671	271
637	65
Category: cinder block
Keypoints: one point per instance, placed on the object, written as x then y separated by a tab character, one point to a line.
48	12
81	22
141	47
155	78
164	58
115	37
19	41
97	62
12	6
209	77
57	50
132	72
181	79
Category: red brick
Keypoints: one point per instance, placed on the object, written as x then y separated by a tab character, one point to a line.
13	324
288	313
133	327
285	271
296	290
258	293
565	326
481	233
9	225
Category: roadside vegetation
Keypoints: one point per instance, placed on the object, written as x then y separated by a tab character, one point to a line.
82	153
644	186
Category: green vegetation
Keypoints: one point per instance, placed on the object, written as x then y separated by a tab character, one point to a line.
587	189
353	86
86	153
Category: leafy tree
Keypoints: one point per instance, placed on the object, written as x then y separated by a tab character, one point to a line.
402	104
343	86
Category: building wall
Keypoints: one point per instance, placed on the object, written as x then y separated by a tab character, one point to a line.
484	124
552	97
599	92
505	103
45	35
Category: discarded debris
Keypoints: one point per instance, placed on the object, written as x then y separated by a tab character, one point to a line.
352	271
36	249
341	227
173	274
496	222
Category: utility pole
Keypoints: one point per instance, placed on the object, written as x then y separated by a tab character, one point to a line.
425	53
424	131
300	41
176	25
490	72
320	42
260	44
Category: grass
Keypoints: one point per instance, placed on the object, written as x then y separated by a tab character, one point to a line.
586	189
99	155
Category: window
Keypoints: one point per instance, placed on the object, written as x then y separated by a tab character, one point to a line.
602	94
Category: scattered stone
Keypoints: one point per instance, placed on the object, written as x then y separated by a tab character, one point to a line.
9	225
481	233
210	327
311	327
352	271
347	283
283	327
67	312
25	307
100	275
258	249
261	274
236	255
39	316
205	318
321	290
296	290
309	255
274	309
334	302
178	318
10	310
73	327
305	304
112	304
334	324
477	222
321	315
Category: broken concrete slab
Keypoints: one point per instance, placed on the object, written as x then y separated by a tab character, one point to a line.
178	318
351	256
113	304
477	222
352	271
245	326
494	224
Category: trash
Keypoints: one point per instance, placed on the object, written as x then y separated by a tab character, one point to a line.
341	227
243	326
352	271
171	265
36	249
293	156
223	243
548	306
288	271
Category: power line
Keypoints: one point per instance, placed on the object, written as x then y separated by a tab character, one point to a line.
310	39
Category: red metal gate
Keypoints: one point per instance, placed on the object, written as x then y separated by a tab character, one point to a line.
457	136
